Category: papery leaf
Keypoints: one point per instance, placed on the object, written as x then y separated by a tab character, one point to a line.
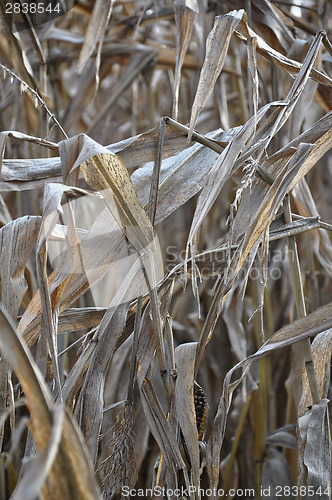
252	65
85	262
159	425
292	67
184	402
17	240
216	49
314	323
101	11
251	198
320	241
80	478
106	172
321	348
92	395
181	176
37	468
185	15
314	455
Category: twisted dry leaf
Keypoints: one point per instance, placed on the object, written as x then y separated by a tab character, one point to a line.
101	11
216	49
184	402
185	15
321	355
314	457
314	323
79	481
244	32
17	240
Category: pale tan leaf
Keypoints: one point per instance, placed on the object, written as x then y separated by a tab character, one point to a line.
19	175
4	135
80	318
184	403
303	159
271	19
5	216
91	401
36	469
283	62
53	195
272	201
159	425
281	115
216	49
181	176
300	81
221	171
253	197
80	478
71	279
321	355
320	240
185	15
252	65
102	10
103	30
161	428
23	174
106	172
314	323
17	240
300	119
141	149
314	457
81	264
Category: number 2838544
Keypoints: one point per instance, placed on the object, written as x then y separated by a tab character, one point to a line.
31	8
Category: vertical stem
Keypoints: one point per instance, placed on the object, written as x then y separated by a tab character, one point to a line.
131	383
152	206
259	404
238	82
249	81
236	441
300	304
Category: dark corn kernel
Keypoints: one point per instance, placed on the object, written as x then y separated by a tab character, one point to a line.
201	409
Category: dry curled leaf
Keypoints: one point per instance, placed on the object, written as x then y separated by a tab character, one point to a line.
216	49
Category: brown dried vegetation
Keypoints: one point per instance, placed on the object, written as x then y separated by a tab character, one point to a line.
165	217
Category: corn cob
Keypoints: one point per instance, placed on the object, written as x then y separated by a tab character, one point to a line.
200	409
